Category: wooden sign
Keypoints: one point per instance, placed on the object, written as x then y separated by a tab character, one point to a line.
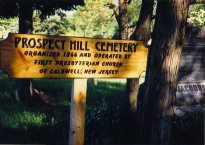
42	56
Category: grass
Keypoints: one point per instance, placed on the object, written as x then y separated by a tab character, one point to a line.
39	123
189	129
20	123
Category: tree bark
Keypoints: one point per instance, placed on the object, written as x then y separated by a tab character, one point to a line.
143	26
162	74
24	86
123	19
141	33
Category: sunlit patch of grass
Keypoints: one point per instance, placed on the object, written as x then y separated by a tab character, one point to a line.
3	76
22	119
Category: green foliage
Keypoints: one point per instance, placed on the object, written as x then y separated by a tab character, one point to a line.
134	11
95	19
92	20
53	25
197	15
8	25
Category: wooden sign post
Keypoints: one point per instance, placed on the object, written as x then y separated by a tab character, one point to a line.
77	111
41	56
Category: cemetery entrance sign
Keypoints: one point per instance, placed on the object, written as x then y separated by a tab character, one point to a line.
42	56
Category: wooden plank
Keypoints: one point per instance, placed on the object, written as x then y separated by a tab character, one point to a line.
77	112
41	56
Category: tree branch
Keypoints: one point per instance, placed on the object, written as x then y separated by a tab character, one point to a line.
132	26
115	10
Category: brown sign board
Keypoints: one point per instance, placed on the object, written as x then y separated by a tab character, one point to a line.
42	56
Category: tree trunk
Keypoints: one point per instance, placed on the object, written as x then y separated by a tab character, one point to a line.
24	86
164	59
141	33
143	26
123	19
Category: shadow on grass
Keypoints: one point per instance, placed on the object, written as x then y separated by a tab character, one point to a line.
56	134
188	130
